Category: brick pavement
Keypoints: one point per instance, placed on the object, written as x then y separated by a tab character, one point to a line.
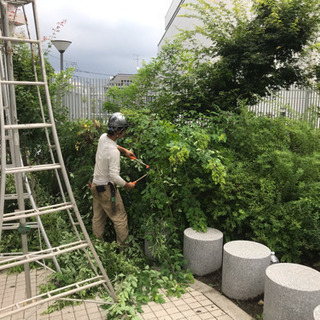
199	303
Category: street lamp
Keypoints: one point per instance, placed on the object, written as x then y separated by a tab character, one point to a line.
61	46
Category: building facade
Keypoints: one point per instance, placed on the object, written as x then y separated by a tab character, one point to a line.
174	21
120	80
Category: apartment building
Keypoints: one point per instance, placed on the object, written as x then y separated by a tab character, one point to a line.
174	21
120	80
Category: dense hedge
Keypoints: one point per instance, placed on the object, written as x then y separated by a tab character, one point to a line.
251	177
271	193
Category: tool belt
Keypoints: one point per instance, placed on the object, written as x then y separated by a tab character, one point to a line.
113	194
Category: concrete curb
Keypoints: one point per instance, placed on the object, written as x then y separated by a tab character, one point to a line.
221	301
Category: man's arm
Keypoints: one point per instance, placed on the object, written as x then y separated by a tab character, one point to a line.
126	152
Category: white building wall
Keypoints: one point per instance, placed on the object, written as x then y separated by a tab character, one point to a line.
174	22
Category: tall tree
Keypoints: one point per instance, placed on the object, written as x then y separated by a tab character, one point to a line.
260	47
254	48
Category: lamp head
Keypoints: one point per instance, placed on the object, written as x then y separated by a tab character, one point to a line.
61	45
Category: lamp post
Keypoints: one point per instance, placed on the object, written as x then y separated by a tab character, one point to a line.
61	46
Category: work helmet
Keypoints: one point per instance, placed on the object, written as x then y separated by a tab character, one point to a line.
117	121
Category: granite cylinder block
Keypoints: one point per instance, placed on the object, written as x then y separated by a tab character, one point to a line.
292	292
316	313
203	250
243	269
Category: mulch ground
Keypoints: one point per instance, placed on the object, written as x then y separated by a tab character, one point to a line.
254	307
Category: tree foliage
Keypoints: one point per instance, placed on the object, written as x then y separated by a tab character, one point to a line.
258	52
250	52
29	101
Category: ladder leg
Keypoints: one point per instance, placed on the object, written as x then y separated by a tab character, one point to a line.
26	266
16	143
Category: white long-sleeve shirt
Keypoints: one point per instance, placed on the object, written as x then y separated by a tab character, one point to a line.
107	166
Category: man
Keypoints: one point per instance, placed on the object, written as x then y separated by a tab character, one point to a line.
106	196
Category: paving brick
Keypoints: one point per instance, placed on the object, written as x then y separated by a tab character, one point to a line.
146	309
160	313
172	310
183	307
217	313
164	318
196	317
189	300
193	305
149	316
212	307
207	316
188	313
200	310
178	316
224	317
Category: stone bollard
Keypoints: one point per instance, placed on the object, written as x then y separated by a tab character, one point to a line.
203	250
243	269
292	292
316	313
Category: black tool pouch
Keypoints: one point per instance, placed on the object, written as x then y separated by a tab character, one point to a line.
100	189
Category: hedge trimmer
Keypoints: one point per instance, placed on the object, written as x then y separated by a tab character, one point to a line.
134	158
146	165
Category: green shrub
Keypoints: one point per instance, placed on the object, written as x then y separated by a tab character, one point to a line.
251	177
271	190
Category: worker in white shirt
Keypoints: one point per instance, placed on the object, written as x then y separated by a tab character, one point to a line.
107	200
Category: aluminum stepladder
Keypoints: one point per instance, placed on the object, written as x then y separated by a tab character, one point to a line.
26	211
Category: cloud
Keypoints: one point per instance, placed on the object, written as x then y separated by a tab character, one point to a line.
107	36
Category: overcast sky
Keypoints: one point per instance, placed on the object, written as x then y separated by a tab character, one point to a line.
107	36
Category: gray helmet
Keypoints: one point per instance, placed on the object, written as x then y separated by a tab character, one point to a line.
117	121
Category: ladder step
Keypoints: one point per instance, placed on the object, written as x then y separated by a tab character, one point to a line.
14	196
19	40
51	295
40	167
27	126
40	255
12	216
15	226
27	83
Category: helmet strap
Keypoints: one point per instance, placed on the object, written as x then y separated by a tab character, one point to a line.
119	132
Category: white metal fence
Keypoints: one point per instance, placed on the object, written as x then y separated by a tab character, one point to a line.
295	103
86	98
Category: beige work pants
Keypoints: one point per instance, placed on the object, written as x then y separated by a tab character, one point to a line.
102	208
